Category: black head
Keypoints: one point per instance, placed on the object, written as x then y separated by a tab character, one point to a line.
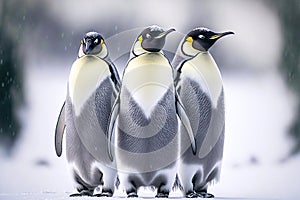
202	38
92	43
153	38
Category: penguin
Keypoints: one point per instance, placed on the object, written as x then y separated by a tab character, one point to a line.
92	88
145	118
200	88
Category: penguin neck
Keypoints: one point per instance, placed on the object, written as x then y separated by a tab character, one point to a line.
103	54
203	69
189	50
85	76
138	50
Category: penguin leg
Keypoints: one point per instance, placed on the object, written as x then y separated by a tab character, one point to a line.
188	187
105	193
186	179
163	190
129	184
201	189
164	186
202	193
83	188
102	177
132	193
109	179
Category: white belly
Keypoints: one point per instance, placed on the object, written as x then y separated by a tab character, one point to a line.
147	78
86	74
203	69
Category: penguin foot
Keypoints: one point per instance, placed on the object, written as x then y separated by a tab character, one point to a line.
75	195
132	195
104	194
162	195
205	195
82	193
191	195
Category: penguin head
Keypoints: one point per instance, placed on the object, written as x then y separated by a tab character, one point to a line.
200	40
151	39
93	44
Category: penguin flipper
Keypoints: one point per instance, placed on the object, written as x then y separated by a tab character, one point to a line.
112	120
59	131
115	76
186	122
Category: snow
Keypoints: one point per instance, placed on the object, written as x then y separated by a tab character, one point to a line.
55	196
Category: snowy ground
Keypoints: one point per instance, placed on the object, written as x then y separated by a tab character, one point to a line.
259	110
55	196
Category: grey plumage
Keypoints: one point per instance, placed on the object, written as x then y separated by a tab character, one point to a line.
164	135
136	153
92	87
147	128
199	85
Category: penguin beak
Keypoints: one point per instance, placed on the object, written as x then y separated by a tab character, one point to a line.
165	33
219	35
87	46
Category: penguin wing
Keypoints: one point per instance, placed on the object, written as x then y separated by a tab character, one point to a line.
177	61
59	131
185	121
114	75
176	77
177	65
112	120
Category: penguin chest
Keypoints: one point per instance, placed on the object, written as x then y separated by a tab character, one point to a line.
86	75
148	77
203	70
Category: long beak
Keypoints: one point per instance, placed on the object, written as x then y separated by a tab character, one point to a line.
87	46
219	35
164	34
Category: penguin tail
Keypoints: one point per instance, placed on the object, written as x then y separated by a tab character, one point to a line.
117	183
177	184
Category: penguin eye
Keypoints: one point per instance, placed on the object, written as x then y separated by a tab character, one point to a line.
201	36
96	41
148	35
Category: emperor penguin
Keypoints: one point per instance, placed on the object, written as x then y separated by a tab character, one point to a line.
200	88
92	88
146	115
